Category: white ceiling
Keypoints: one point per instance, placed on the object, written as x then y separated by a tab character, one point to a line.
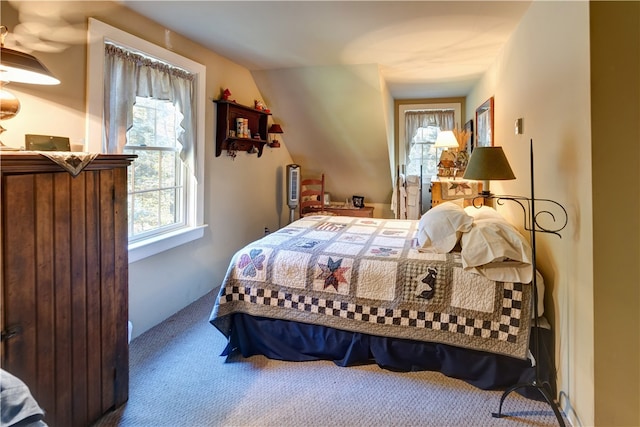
423	48
330	54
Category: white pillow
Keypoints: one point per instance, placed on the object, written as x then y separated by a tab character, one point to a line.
496	250
510	271
440	227
484	212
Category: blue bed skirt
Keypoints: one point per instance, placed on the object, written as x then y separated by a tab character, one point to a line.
293	341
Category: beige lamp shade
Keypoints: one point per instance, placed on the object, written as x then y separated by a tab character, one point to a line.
446	139
488	164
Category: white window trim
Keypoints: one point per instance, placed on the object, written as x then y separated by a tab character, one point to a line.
98	33
403	108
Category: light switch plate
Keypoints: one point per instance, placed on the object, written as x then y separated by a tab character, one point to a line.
518	126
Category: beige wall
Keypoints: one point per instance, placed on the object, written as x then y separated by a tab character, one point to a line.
542	76
615	112
334	118
242	196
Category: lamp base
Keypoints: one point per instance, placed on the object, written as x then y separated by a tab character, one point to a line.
7	148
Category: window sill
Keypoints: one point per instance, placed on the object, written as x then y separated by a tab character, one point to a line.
153	246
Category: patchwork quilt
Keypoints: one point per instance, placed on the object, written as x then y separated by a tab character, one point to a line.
366	275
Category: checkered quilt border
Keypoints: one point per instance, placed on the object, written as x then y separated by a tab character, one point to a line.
506	329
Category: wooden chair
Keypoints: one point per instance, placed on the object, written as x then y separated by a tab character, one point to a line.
311	195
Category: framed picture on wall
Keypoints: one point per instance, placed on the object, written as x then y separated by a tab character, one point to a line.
484	124
468	128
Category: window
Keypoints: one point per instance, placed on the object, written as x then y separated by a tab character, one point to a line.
162	123
422	153
156	178
422	127
418	128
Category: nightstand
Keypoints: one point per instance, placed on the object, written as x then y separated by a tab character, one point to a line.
365	212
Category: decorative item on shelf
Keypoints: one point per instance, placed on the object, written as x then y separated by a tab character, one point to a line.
446	163
258	105
275	129
226	94
488	164
232	150
19	67
242	128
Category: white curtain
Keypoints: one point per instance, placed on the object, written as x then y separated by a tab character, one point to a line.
414	120
127	75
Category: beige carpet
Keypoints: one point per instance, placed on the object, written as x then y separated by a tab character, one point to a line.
178	379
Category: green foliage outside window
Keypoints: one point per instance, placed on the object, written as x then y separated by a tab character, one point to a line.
156	178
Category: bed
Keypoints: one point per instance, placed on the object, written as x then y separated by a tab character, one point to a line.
405	294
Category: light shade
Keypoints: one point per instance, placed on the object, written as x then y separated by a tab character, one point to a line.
275	128
446	139
21	67
488	164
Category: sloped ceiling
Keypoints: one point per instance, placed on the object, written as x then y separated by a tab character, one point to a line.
319	66
334	123
425	49
328	70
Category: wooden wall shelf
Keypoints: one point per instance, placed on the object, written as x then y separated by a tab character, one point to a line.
228	112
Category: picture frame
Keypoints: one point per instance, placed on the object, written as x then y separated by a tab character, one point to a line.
484	124
358	201
468	127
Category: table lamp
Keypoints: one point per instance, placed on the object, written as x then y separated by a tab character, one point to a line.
488	164
19	67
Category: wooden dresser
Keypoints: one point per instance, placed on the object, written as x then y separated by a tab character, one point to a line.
64	284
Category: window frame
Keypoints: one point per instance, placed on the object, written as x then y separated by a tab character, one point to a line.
403	108
98	33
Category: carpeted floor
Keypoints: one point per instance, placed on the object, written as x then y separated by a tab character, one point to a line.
177	378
